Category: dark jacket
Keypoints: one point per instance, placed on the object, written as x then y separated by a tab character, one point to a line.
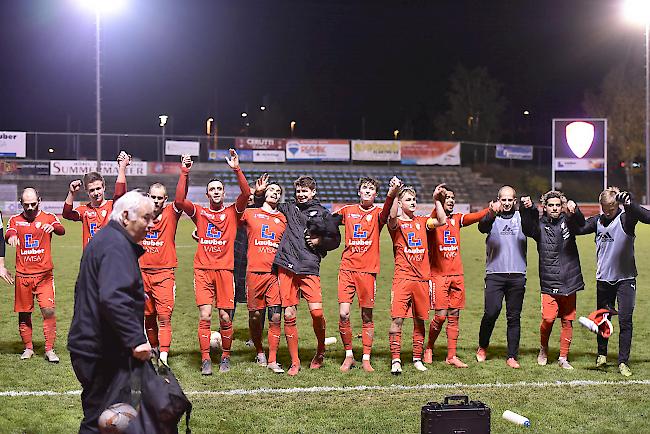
108	318
559	262
294	254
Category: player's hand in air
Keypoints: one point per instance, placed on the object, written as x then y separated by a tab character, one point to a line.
233	160
495	206
394	185
623	197
526	202
123	159
439	193
75	186
13	241
261	184
186	161
571	207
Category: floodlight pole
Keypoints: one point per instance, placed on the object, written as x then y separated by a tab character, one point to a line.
98	113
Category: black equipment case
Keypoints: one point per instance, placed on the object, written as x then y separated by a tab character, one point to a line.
466	417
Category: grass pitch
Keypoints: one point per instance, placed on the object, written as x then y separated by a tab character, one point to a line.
620	406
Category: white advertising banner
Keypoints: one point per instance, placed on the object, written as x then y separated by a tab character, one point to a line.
12	144
376	150
575	164
268	156
178	147
319	150
108	168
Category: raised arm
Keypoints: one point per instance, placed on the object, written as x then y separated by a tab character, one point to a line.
485	224
123	160
245	189
475	217
392	216
180	198
393	189
438	216
68	212
4	273
589	227
634	212
529	218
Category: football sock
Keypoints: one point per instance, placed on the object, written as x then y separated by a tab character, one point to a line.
291	333
452	335
25	329
545	329
318	321
225	328
434	329
49	331
274	340
151	327
418	340
165	332
395	341
345	328
566	333
367	337
204	338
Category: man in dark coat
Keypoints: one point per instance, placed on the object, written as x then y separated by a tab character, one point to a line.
108	322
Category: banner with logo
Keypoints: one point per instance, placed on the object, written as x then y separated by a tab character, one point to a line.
259	143
376	150
163	168
13	144
318	150
579	144
268	156
24	167
180	147
424	152
514	152
245	155
108	168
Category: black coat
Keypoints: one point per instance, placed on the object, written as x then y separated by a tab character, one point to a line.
559	262
108	318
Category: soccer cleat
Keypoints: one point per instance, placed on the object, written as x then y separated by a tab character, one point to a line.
428	356
564	363
481	355
260	359
163	358
27	354
275	367
419	365
224	366
51	356
601	361
513	363
624	370
455	361
542	357
366	366
396	367
317	361
348	364
293	370
206	367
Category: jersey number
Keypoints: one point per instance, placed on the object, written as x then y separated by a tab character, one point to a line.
29	243
412	241
358	233
266	234
212	231
448	239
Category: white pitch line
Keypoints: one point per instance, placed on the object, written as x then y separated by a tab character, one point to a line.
392	387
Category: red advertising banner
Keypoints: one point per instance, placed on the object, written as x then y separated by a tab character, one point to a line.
426	152
259	143
164	168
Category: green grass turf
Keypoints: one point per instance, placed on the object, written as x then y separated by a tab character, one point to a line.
603	408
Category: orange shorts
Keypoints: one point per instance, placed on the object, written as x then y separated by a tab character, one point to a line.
214	287
363	284
262	290
159	290
562	306
448	292
292	286
410	298
29	285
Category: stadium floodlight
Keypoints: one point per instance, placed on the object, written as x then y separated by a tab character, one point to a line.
103	6
637	11
292	126
208	126
244	114
395	134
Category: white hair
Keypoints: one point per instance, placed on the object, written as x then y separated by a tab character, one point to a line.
130	202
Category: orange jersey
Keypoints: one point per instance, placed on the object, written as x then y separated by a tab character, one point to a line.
410	249
265	231
217	231
33	254
93	219
362	228
159	243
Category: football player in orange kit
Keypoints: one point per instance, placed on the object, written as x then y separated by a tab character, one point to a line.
31	234
411	291
95	214
447	276
264	227
214	259
158	265
360	264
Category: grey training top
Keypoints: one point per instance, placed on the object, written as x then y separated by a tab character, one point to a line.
505	246
614	252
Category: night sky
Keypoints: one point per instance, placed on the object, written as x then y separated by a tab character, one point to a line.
326	64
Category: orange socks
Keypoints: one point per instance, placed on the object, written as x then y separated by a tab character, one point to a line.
565	337
395	341
418	340
367	337
225	328
204	339
434	329
165	332
291	333
49	331
545	329
345	329
25	330
274	340
452	336
318	321
151	327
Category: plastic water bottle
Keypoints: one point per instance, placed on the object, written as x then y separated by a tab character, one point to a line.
516	418
330	341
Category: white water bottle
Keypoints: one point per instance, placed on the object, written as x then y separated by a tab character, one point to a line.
516	418
330	341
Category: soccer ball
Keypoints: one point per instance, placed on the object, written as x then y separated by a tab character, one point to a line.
215	340
116	418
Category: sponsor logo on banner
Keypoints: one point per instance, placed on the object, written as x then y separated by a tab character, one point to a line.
319	150
586	164
178	147
514	152
376	150
430	153
268	156
163	168
12	144
108	168
259	143
24	168
245	155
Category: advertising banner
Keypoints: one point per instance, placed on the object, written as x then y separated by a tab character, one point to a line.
268	156
108	168
579	164
163	168
318	150
24	168
12	144
514	152
179	147
245	155
376	150
259	143
430	153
